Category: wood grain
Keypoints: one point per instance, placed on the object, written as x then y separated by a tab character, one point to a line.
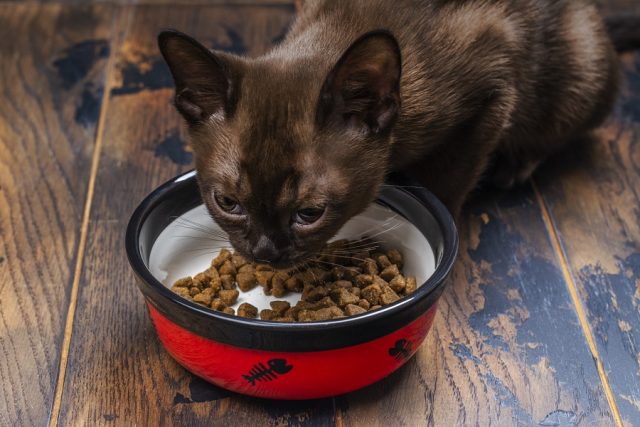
506	348
593	194
118	372
51	61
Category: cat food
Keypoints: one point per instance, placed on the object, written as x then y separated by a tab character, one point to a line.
349	278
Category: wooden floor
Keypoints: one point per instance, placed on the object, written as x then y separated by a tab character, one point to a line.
540	323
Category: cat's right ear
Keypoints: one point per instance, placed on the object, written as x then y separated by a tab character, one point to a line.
204	79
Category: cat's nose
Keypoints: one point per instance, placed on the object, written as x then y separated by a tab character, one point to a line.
265	250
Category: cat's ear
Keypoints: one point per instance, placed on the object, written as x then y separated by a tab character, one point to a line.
204	79
362	90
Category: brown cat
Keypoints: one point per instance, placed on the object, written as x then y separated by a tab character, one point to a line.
290	145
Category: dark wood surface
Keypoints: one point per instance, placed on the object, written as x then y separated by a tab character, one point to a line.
539	325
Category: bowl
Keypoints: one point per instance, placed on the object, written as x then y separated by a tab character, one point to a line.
170	235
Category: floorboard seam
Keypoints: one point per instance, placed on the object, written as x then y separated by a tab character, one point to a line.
122	14
577	302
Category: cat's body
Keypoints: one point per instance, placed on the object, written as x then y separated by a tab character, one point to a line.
516	78
290	145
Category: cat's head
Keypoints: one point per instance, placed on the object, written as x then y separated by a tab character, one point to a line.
286	148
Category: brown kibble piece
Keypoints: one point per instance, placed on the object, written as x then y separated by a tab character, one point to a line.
306	316
352	310
183	292
280	307
217	304
229	296
390	272
364	304
185	282
363	280
398	283
238	260
201	280
246	281
285	319
229	310
221	258
247	310
194	290
278	289
267	314
324	302
411	285
247	268
375	307
356	291
293	284
395	257
264	277
383	261
328	313
227	268
388	296
342	297
313	293
203	298
227	281
343	284
372	293
369	266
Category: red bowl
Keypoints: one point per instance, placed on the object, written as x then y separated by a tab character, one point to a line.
291	360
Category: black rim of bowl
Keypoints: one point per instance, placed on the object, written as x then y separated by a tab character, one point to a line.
181	194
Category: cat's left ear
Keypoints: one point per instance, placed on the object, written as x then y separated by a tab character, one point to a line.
362	91
205	80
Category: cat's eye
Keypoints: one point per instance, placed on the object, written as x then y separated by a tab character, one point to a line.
228	204
307	216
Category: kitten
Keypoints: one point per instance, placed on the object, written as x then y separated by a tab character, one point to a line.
290	145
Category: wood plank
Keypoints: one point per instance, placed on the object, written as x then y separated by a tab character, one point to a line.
593	195
51	63
506	347
118	372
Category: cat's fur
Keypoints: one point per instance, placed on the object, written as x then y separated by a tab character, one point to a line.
436	88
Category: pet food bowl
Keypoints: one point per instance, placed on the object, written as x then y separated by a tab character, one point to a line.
169	236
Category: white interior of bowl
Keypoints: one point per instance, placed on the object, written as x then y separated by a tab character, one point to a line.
187	246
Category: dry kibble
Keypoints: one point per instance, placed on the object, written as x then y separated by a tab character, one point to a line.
352	310
203	298
388	296
390	272
223	256
218	305
227	281
247	310
363	280
342	297
411	285
227	268
264	277
229	296
364	304
246	281
395	257
238	261
267	314
293	284
372	294
185	282
398	283
383	261
280	307
247	268
369	266
346	280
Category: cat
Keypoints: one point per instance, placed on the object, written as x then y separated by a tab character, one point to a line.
290	145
